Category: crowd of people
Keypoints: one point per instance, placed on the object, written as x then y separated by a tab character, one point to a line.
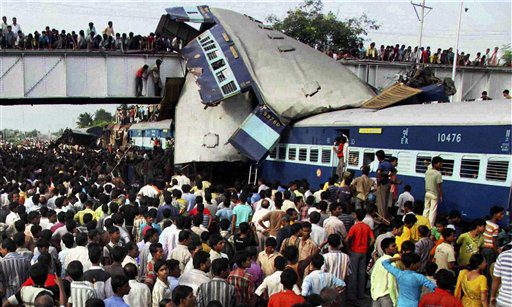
77	232
137	113
13	37
399	53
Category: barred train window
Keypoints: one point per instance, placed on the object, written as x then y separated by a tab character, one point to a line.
422	163
292	153
447	169
313	155
497	170
326	156
303	154
469	168
273	153
353	158
282	152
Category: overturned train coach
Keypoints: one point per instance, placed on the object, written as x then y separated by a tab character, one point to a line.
253	94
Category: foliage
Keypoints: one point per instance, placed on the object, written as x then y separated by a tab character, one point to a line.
84	120
309	25
101	118
507	55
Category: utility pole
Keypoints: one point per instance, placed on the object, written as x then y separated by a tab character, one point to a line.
421	16
456	51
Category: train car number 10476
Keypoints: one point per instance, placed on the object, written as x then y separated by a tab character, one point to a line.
449	137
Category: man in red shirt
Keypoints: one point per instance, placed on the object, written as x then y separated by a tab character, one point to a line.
141	74
359	239
287	297
339	149
442	295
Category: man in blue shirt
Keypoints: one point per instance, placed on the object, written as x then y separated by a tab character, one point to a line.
120	287
190	198
241	213
409	281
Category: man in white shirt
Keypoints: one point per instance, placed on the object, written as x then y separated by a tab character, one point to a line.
199	274
80	252
258	215
140	294
4	24
402	198
318	234
332	224
287	203
15	26
272	283
181	252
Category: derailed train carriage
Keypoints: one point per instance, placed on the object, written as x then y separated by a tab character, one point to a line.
278	105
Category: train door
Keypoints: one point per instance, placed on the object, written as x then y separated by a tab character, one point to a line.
340	134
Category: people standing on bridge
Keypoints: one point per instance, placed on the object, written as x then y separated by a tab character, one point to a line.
433	189
109	30
15	26
493	60
90	29
141	74
155	71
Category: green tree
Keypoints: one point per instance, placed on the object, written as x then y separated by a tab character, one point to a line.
84	120
32	134
102	116
309	25
506	58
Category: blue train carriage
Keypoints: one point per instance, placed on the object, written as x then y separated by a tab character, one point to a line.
143	134
472	137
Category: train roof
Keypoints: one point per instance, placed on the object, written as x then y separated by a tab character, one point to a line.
163	124
494	112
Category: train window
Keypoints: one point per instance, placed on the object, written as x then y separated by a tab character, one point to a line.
497	170
273	153
292	153
368	158
469	168
405	162
313	155
303	154
353	158
282	152
326	156
422	163
447	169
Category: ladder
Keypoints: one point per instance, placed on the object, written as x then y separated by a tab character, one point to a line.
253	173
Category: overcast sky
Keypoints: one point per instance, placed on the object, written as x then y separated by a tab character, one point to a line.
485	24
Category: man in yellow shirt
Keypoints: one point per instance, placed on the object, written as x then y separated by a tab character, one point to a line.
470	242
79	216
409	222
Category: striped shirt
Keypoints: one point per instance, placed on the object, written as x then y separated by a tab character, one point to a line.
216	289
14	270
244	286
27	295
490	233
337	263
503	269
100	281
81	291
